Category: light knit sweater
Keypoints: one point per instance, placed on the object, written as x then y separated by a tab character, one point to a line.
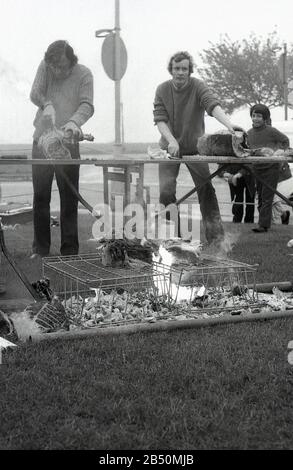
72	97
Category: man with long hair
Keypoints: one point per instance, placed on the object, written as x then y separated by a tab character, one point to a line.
63	92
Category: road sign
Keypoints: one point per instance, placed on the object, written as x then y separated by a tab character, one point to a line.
109	57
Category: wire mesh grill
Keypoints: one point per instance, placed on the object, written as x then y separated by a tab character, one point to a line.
211	286
80	276
214	284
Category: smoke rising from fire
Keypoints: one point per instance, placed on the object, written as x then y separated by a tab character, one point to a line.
225	247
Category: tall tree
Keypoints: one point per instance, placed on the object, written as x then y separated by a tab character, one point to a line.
245	72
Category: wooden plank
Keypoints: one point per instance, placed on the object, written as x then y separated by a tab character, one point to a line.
117	177
130	161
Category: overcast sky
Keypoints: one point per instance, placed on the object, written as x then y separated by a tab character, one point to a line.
152	31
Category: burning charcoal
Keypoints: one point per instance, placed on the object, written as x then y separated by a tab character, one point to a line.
278	293
120	290
89	323
99	318
236	312
151	319
238	290
116	315
137	312
200	301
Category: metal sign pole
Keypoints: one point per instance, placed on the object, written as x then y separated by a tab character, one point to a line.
117	146
114	60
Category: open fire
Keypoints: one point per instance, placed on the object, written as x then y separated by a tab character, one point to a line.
88	294
171	254
201	281
181	281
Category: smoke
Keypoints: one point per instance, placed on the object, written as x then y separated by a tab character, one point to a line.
222	248
230	240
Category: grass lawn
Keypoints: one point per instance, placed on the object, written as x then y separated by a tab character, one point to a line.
219	387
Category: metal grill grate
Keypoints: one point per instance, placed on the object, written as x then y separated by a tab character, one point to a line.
215	284
79	274
211	286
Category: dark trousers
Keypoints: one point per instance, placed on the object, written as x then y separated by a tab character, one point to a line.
238	193
266	195
207	198
42	176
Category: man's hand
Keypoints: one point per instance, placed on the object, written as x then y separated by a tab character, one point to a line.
232	179
173	148
235	178
49	113
72	130
232	128
227	177
238	129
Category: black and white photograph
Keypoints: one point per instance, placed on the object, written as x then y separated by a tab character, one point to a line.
146	231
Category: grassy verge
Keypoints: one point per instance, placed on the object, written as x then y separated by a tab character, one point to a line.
222	387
